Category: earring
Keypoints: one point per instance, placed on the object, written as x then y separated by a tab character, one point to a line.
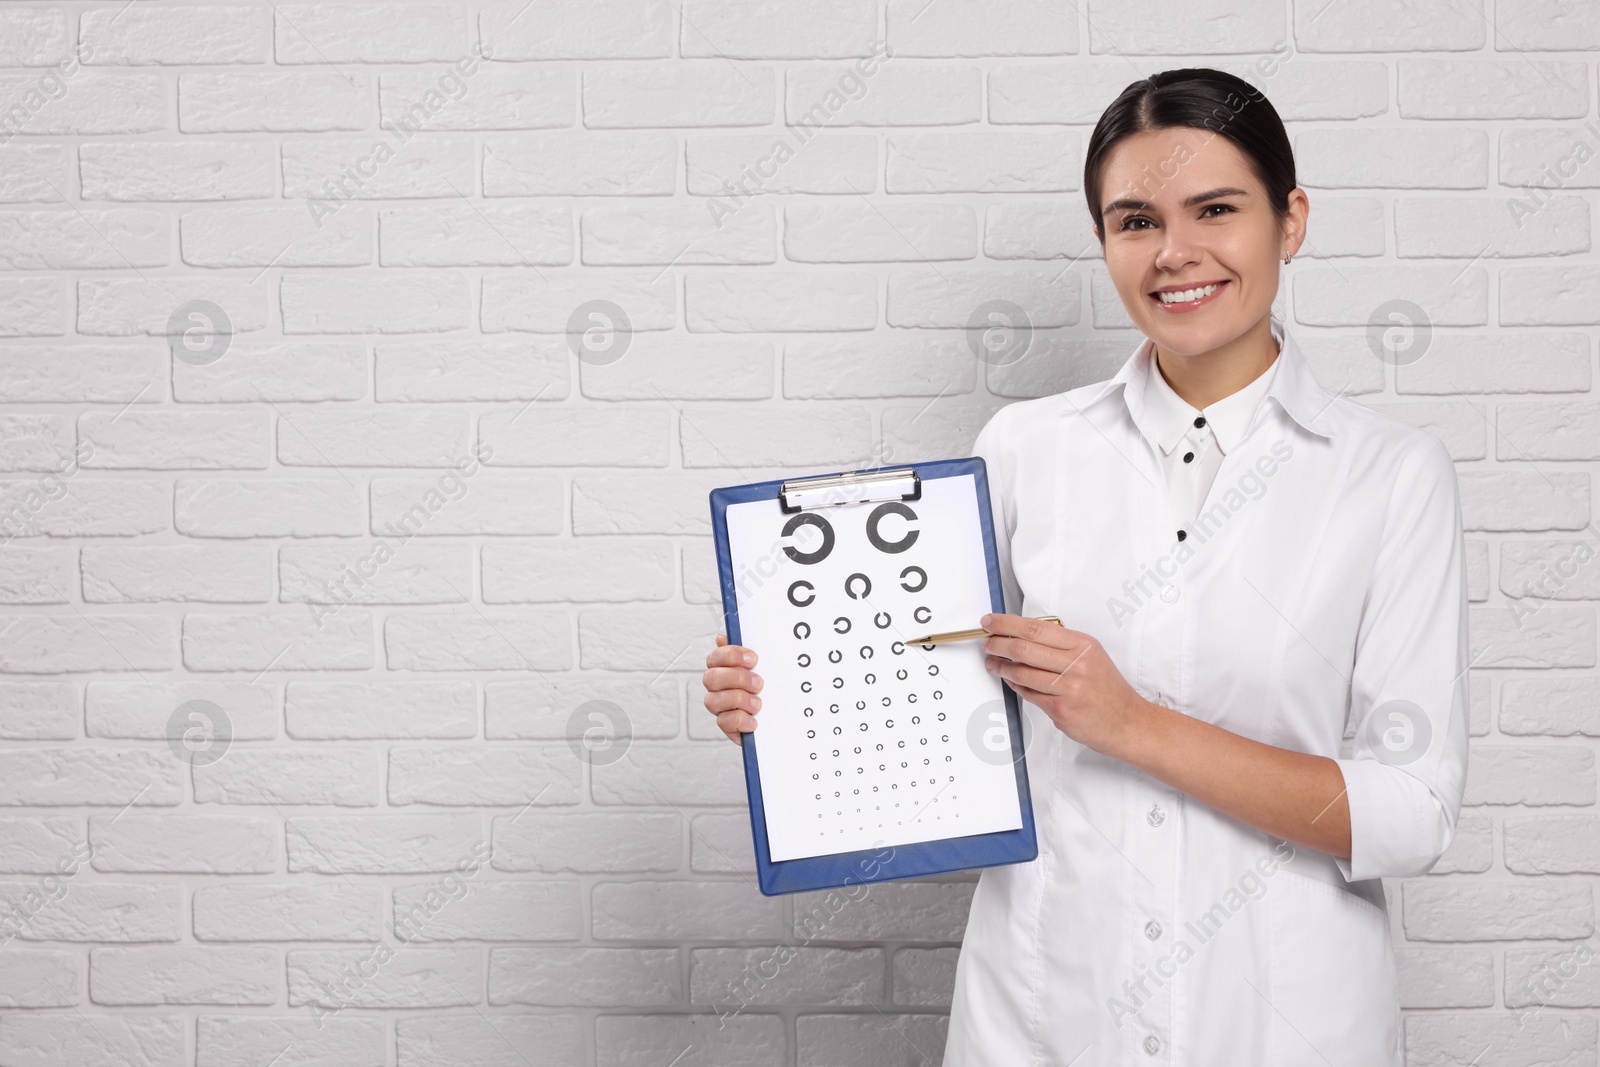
1287	256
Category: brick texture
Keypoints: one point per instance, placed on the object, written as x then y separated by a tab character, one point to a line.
340	506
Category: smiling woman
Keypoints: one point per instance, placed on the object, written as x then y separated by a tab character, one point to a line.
1241	562
1214	245
1198	738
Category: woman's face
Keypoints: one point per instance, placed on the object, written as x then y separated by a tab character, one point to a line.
1184	211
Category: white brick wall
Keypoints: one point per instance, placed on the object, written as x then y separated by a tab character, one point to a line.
409	549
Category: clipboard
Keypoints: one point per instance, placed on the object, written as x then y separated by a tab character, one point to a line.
993	730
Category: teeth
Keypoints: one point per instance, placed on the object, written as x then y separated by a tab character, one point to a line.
1186	295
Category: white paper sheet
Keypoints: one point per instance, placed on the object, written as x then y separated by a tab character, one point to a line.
861	741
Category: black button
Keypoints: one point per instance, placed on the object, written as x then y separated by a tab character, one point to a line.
1182	534
1188	456
1199	420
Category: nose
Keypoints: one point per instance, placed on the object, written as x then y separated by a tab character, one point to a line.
1178	248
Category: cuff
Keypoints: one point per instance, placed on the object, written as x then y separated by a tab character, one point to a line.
1397	827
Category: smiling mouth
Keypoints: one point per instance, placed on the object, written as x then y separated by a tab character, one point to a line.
1178	300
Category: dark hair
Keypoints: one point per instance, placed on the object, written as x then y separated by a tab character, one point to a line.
1204	99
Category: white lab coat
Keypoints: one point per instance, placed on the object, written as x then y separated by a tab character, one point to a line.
1325	578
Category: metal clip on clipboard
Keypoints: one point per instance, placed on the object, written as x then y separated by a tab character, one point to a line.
851	487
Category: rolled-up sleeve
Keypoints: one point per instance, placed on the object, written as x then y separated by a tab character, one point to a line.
1409	686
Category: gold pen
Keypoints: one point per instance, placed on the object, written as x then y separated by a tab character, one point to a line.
967	635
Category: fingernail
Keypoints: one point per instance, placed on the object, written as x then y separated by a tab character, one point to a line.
758	681
755	702
985	621
989	665
749	659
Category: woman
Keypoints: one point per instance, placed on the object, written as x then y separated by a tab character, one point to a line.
1241	560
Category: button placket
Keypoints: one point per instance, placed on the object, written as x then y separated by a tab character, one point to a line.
1151	915
1155	855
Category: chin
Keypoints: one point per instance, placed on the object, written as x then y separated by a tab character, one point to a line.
1183	339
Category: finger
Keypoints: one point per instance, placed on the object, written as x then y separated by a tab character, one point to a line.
1020	650
999	623
1052	633
1043	682
731	656
1034	696
1036	630
722	639
726	700
1005	647
732	678
736	724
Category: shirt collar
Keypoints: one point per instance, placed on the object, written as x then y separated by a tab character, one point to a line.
1292	385
1171	416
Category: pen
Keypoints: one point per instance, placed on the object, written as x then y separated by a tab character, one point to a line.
966	635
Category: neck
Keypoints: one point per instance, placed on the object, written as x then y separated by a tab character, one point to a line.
1204	379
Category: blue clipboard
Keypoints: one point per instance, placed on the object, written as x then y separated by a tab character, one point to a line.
903	860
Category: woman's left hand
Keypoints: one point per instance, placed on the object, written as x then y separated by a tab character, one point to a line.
1071	678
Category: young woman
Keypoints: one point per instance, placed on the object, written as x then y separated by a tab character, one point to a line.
1243	562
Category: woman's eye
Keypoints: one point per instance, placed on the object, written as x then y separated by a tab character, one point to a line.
1128	222
1222	207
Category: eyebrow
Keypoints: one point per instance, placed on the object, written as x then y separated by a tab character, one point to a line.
1199	198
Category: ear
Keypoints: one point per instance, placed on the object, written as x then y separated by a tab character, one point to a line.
1299	213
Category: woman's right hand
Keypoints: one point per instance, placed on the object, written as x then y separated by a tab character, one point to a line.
731	688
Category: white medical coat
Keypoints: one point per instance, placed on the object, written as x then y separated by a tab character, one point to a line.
1324	579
